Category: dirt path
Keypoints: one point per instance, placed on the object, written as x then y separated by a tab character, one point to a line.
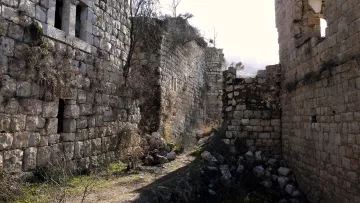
126	188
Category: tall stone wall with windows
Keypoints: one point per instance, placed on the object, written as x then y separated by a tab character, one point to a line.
320	96
61	81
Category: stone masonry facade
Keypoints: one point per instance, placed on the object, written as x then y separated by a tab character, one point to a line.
320	96
252	111
61	83
187	76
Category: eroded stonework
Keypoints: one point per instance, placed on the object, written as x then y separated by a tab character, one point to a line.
320	96
60	95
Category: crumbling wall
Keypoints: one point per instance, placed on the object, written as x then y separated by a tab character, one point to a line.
320	98
252	111
61	96
214	64
183	87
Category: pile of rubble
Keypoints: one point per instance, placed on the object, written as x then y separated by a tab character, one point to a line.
268	173
157	151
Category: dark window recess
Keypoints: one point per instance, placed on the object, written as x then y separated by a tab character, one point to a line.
313	119
78	22
58	13
60	116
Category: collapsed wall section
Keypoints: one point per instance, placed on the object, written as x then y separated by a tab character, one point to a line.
61	95
252	111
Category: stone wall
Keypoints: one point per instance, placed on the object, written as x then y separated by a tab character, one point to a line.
320	96
214	64
61	88
183	87
252	111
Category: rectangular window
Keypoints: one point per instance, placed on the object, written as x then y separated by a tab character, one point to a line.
59	14
60	116
81	20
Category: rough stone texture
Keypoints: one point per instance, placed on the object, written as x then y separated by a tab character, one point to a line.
252	110
34	78
214	65
183	73
320	97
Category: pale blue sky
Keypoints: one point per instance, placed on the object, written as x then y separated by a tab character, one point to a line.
246	28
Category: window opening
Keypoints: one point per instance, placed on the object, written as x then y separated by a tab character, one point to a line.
323	26
58	14
60	116
80	22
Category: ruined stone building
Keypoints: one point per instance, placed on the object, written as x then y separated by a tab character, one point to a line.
307	108
186	80
61	82
62	91
320	95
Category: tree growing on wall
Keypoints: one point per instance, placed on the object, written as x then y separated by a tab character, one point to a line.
238	65
142	14
174	5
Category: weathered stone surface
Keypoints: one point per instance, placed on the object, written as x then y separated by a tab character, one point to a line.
284	171
51	126
30	106
69	125
259	171
71	111
13	159
30	158
34	123
43	156
6	140
67	137
50	109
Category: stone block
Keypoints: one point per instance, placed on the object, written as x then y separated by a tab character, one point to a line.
6	140
6	46
18	123
69	125
86	109
16	32
275	122
4	123
27	7
81	97
258	128
34	123
30	106
78	150
255	122
68	150
23	89
30	159
40	14
106	143
71	111
8	86
238	114
43	156
21	140
96	146
82	134
81	123
13	159
50	109
67	137
34	140
3	62
54	139
87	148
51	126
